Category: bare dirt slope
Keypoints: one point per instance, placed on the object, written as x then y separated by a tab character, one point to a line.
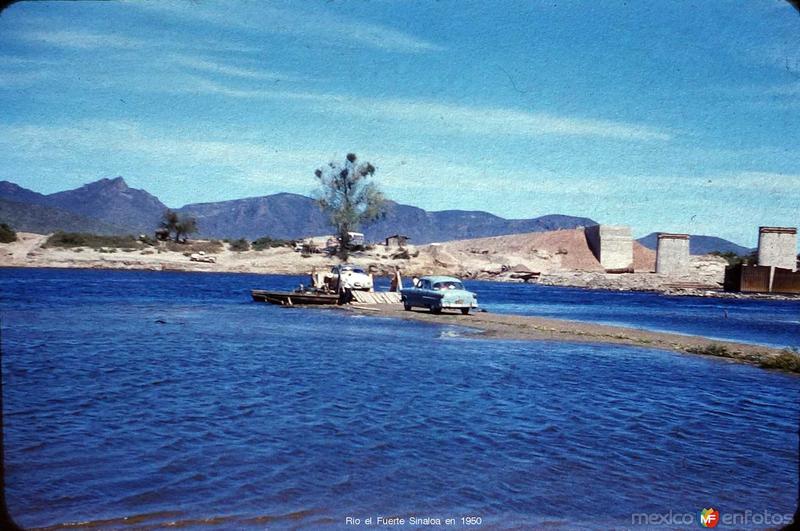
559	250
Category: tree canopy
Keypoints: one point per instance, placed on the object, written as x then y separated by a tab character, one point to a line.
182	226
347	195
7	234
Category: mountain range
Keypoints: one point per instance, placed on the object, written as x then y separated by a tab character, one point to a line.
110	206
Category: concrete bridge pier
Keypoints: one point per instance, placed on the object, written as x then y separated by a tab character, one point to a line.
777	247
672	254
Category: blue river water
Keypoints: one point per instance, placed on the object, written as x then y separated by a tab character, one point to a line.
170	399
772	323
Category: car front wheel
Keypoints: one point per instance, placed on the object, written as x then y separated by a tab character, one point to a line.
436	310
406	307
465	311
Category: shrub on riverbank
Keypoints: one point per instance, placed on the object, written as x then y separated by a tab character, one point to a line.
239	246
736	259
93	241
711	350
788	360
266	242
7	234
211	246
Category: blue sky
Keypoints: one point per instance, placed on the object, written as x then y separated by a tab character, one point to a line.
666	116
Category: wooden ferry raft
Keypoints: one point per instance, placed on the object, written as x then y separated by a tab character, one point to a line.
290	298
320	293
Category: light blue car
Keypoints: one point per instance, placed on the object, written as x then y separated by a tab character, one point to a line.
438	293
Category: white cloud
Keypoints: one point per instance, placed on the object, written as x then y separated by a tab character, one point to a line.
765	182
83	39
196	63
23	79
446	117
253	162
17	61
792	89
499	121
129	142
326	27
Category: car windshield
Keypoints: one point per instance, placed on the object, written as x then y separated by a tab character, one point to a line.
352	268
449	284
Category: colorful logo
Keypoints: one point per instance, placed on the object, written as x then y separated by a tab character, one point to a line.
709	517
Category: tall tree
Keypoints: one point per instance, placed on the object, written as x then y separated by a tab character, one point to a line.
180	225
169	221
348	197
185	227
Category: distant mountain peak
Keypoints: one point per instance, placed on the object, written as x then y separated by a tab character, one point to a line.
117	183
111	200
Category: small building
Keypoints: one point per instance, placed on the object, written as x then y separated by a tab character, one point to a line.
612	245
357	238
777	247
672	254
396	240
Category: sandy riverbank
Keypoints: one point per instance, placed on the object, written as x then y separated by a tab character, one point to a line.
557	257
498	326
501	258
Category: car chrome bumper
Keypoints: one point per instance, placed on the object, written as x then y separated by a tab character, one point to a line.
459	305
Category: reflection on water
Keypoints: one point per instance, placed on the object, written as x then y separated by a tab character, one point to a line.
171	398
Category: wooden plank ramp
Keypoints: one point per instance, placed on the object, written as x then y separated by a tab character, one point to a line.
366	297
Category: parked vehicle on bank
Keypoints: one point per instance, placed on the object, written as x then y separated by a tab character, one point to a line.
349	276
438	293
202	257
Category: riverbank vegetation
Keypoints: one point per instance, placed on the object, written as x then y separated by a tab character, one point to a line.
181	225
96	241
265	242
734	259
196	246
788	360
105	243
239	246
7	234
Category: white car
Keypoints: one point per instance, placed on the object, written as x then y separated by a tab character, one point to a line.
202	257
349	276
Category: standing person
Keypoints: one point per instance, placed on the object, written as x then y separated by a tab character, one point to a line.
344	288
397	282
